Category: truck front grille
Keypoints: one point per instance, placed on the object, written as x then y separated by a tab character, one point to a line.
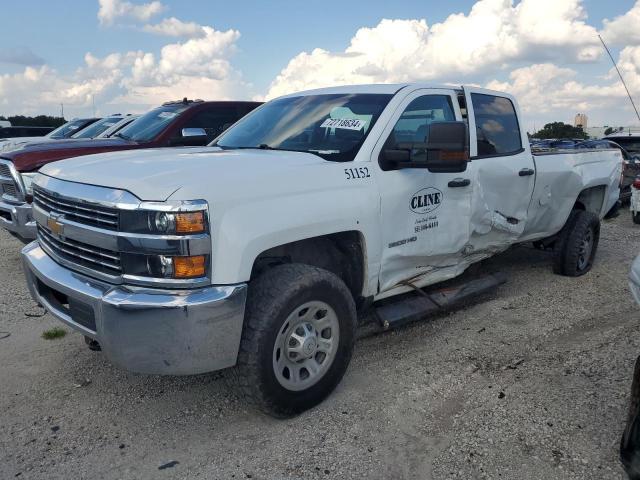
80	212
8	187
90	256
5	171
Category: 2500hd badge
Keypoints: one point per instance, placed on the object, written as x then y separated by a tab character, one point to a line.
426	200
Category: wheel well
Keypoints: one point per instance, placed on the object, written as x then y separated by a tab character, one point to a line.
340	253
591	199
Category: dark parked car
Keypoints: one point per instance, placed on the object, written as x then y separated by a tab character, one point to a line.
182	123
15	131
631	167
63	131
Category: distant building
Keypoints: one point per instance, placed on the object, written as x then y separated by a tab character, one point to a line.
580	121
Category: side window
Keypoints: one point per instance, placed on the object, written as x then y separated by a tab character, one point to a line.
214	121
497	128
410	131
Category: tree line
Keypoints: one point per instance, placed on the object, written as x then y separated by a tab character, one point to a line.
38	121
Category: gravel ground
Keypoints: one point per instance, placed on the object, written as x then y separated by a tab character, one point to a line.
531	383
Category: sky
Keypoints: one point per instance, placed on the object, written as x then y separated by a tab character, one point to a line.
108	56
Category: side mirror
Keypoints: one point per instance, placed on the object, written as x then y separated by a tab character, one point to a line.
446	150
447	147
192	137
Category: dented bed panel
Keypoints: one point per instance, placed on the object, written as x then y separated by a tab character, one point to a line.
560	180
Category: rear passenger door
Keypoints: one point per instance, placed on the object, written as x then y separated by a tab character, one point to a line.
503	169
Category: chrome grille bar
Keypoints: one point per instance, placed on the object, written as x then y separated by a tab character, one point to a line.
83	254
82	213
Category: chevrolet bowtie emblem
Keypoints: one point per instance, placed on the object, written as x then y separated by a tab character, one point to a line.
54	225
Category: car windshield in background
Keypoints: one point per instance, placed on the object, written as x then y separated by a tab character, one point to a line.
630	144
149	125
332	126
68	129
97	128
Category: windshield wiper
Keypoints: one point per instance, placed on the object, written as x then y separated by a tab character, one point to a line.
264	146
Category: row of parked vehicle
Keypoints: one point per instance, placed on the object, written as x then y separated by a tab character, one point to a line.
179	123
313	214
629	146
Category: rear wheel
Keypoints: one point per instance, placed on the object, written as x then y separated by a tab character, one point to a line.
297	340
577	243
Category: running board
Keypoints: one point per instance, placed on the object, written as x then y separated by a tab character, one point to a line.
424	303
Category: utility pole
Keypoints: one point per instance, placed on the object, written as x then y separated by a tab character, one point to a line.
93	102
62	110
620	75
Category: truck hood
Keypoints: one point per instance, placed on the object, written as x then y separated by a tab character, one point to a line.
7	144
31	156
184	173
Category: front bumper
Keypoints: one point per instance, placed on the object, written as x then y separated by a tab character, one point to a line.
634	279
18	220
634	203
141	329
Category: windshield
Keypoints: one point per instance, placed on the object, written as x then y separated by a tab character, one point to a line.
68	129
97	128
149	125
330	126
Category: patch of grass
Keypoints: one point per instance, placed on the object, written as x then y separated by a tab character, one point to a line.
53	333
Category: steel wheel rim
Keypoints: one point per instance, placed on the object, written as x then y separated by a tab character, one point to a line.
584	251
306	345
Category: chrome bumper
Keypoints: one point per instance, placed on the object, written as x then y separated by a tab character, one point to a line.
634	203
141	329
18	220
634	279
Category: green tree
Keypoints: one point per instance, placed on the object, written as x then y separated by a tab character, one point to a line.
38	121
560	130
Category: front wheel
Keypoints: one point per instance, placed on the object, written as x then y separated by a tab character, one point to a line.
577	243
297	339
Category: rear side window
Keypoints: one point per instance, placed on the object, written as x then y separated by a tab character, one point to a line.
497	128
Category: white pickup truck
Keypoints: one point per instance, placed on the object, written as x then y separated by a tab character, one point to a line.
261	250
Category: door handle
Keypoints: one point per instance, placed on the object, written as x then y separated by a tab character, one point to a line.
525	172
459	182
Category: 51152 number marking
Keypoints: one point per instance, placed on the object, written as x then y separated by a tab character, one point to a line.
353	173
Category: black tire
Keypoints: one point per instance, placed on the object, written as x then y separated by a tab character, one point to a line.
569	258
272	297
635	216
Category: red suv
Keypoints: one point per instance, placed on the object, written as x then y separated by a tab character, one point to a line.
182	123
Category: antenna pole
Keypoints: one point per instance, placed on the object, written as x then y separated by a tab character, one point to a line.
620	75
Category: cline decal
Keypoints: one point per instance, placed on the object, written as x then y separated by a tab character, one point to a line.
426	200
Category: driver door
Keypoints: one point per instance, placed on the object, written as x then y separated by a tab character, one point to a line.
425	216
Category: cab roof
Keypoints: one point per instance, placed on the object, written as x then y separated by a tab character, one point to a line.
382	88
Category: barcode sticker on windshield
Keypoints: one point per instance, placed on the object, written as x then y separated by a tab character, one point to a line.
346	123
167	114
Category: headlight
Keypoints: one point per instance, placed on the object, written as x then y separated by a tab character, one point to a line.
162	266
27	181
164	223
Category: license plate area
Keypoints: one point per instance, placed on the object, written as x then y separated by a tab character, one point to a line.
80	312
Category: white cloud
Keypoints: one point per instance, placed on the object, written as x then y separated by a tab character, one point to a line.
110	10
493	34
543	88
195	68
624	29
172	27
